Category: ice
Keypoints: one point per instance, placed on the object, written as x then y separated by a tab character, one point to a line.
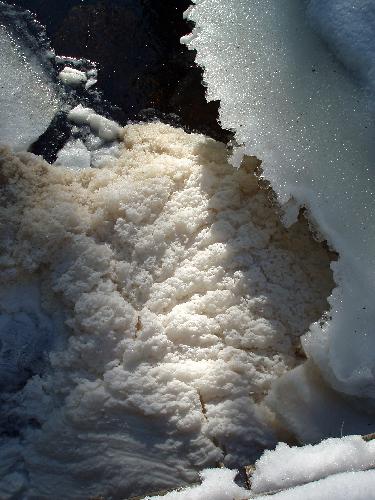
349	485
293	104
183	298
74	155
73	77
106	129
28	99
27	334
93	152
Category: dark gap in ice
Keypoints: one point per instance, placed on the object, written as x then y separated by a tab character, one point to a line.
144	71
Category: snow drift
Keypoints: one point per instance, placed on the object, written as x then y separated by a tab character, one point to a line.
181	298
335	468
304	110
28	96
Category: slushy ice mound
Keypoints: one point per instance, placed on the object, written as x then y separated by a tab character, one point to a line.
166	296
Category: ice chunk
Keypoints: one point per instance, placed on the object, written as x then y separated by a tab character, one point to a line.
72	77
106	129
293	104
74	155
28	99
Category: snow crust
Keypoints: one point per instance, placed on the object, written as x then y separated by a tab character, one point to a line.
287	467
337	469
28	99
184	298
294	105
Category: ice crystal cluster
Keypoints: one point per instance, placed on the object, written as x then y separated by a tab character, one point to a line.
182	297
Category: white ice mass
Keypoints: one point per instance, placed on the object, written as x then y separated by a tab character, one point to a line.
151	309
28	99
105	129
184	297
72	77
295	81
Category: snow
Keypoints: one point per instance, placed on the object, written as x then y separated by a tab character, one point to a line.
184	298
217	484
28	99
73	77
350	485
106	129
309	408
335	468
294	105
288	466
348	26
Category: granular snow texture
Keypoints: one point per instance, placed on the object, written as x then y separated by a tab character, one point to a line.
184	298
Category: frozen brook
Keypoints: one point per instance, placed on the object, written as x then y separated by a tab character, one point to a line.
168	296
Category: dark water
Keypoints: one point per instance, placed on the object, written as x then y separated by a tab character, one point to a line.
144	71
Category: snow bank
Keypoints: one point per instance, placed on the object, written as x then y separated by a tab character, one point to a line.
28	99
184	298
335	468
298	109
287	467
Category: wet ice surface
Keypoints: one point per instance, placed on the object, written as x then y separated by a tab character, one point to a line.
28	98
